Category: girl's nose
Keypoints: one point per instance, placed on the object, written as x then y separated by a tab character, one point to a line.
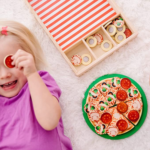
4	73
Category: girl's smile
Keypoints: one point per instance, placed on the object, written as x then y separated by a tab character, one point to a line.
9	85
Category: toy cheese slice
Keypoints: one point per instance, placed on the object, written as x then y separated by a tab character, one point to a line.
119	124
134	112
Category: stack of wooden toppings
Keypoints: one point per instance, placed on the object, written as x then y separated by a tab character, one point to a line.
118	30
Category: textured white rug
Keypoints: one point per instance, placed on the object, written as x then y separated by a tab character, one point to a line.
132	60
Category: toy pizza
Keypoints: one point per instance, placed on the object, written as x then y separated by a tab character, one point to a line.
113	105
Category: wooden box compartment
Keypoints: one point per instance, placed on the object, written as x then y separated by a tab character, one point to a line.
80	49
97	50
119	30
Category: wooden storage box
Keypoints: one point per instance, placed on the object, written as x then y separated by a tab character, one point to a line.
70	22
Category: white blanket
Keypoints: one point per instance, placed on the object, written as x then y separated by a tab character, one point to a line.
132	60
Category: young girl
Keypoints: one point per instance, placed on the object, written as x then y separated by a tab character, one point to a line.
30	115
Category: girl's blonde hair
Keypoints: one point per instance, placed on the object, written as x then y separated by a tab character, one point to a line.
26	40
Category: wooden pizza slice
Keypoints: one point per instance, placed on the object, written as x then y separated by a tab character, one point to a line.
102	124
94	109
94	117
122	96
130	88
115	82
92	112
125	83
104	86
119	124
90	106
133	92
111	97
134	111
94	94
103	105
100	128
100	104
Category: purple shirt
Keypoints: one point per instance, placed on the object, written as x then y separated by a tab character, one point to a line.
19	129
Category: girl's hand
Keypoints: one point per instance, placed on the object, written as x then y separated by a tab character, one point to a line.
24	61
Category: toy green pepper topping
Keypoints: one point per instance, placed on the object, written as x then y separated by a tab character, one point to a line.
106	103
102	108
103	131
98	127
114	95
86	106
92	108
104	89
109	99
95	90
118	82
90	94
129	90
108	85
135	92
112	80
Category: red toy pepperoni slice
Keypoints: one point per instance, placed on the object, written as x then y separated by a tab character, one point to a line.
8	61
121	95
122	107
125	83
128	33
106	118
133	115
122	125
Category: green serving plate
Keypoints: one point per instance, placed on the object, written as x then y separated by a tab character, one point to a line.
144	112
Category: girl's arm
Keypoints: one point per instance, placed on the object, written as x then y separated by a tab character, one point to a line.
46	107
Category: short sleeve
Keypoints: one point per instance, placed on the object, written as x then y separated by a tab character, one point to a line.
50	83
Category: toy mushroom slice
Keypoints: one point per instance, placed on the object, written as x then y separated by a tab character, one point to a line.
76	60
112	131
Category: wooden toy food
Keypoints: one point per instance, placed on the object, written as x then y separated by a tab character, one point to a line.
69	25
8	61
110	110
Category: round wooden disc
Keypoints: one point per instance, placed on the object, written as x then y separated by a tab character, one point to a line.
8	61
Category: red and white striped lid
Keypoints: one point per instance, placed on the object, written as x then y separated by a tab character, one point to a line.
70	20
